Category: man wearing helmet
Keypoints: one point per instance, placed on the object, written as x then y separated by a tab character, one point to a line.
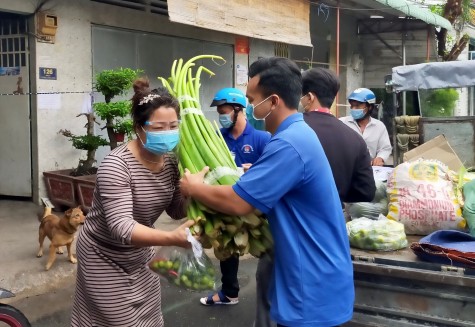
373	131
247	144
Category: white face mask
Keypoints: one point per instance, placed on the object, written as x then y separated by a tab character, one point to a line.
253	107
301	106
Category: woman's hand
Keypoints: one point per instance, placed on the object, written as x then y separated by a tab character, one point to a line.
189	180
179	235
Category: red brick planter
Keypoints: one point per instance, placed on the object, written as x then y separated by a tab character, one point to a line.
61	187
85	190
70	191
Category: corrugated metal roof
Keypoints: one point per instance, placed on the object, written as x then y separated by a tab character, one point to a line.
418	12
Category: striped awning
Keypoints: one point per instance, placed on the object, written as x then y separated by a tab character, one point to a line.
417	12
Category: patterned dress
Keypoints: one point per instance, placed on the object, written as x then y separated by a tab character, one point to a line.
114	285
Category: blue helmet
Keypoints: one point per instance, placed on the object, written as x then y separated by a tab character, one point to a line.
362	95
229	95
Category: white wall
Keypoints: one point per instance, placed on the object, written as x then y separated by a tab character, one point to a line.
463	105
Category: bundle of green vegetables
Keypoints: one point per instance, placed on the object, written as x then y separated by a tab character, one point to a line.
202	145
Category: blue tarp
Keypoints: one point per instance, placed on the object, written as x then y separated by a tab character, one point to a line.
448	247
434	75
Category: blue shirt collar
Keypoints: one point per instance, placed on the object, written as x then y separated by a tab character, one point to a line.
288	121
246	131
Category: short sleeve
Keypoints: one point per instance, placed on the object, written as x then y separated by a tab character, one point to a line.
278	170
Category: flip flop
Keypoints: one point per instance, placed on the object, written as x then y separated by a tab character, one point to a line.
223	300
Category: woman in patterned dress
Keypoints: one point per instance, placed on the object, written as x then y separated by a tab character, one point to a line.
135	183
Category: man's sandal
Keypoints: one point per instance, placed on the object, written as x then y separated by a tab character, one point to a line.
223	299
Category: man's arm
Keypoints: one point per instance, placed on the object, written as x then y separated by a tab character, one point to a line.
362	188
384	146
221	198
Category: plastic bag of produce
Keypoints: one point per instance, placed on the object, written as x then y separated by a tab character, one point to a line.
372	209
421	196
381	235
187	268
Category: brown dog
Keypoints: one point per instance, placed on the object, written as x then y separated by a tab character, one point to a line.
60	231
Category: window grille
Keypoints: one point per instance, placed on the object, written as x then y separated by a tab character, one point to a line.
281	50
13	40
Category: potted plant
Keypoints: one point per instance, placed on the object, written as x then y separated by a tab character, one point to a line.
89	143
112	83
122	128
72	187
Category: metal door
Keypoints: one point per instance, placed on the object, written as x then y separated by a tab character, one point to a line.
15	138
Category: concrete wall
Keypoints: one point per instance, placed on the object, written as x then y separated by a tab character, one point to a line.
463	104
323	29
379	58
18	7
260	48
71	55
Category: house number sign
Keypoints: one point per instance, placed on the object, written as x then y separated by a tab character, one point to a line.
48	73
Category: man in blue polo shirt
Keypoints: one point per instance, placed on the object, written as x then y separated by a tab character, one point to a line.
243	140
312	280
247	144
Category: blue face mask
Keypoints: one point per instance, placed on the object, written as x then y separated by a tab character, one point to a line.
225	120
357	113
161	142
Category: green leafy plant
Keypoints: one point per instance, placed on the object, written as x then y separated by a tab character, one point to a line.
112	110
89	143
113	83
440	102
85	142
124	126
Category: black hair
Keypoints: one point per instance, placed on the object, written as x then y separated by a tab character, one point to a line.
141	112
279	76
323	83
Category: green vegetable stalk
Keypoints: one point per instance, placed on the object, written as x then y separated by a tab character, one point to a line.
203	145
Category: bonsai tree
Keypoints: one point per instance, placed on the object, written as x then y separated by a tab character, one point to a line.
112	83
89	143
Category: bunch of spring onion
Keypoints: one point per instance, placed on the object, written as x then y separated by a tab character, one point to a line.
202	145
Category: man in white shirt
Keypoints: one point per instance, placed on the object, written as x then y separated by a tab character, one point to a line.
373	131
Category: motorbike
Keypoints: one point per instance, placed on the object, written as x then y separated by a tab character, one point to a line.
10	315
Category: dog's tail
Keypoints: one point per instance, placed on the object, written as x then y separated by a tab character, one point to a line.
46	213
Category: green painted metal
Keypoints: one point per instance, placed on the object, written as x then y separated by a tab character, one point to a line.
418	12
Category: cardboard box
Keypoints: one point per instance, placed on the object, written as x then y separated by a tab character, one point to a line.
437	148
